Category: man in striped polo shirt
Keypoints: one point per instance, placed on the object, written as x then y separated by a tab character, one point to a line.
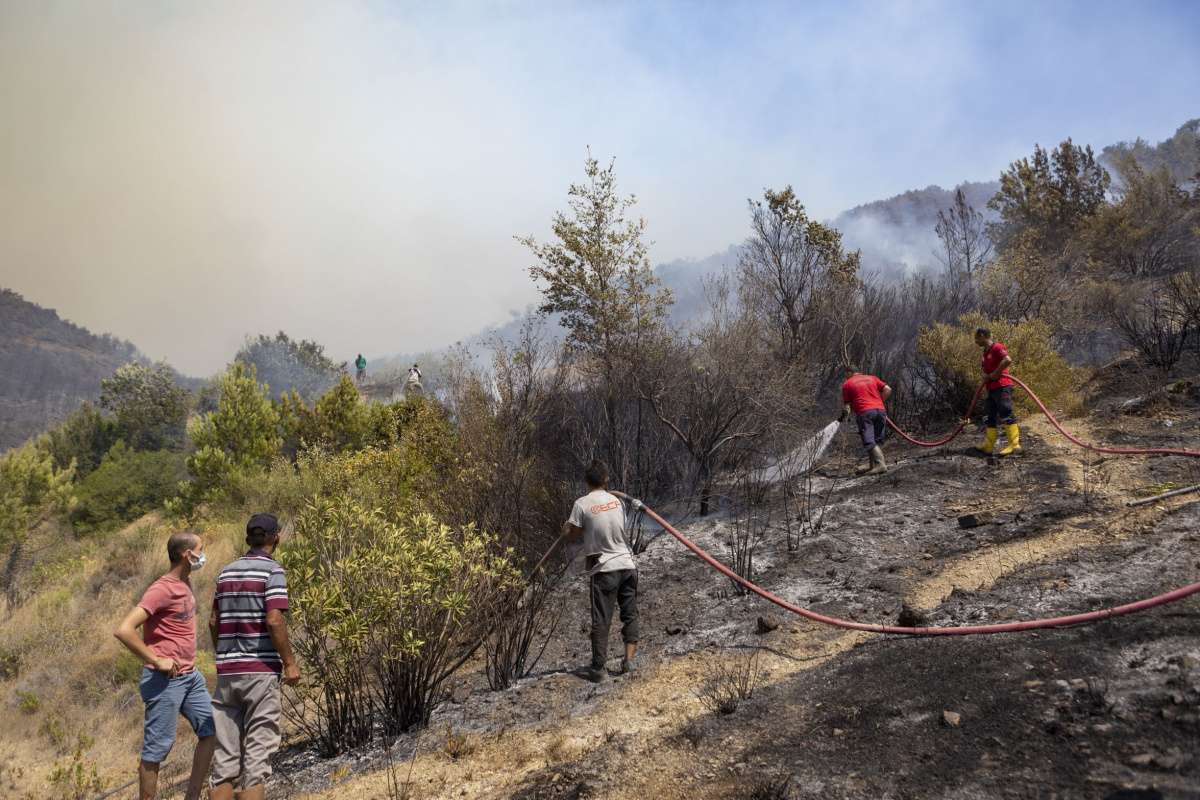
250	636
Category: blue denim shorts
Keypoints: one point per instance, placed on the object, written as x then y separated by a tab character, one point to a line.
167	698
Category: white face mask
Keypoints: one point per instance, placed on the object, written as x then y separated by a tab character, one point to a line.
198	562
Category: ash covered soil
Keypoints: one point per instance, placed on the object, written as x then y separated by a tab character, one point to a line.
1109	710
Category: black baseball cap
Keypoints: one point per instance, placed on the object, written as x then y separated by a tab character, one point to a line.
267	523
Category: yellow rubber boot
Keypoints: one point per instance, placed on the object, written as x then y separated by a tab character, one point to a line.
1013	434
989	441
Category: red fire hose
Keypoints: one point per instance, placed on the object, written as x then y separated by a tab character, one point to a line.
1119	451
965	630
953	434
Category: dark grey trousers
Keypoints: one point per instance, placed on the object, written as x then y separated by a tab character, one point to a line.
609	589
1000	407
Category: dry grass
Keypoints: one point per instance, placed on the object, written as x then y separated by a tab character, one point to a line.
459	744
558	749
75	687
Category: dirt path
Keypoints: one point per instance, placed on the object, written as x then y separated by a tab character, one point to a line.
642	720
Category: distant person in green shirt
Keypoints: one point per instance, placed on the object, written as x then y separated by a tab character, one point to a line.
361	364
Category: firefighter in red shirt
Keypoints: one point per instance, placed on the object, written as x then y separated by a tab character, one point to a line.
996	361
864	395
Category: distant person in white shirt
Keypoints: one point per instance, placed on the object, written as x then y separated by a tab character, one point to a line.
414	378
598	518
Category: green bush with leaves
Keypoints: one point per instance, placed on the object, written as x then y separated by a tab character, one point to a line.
241	437
149	407
416	474
384	610
79	778
956	361
283	487
126	485
30	487
289	365
340	421
83	438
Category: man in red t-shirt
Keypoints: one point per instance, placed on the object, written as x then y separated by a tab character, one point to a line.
863	395
169	684
996	361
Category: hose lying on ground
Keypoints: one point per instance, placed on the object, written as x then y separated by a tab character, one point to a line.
965	630
1117	451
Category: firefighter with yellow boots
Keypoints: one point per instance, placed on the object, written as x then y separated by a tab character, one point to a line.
996	362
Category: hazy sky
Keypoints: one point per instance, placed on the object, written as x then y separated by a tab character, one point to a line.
184	174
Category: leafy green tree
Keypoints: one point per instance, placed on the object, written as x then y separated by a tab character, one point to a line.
1048	196
242	435
83	439
786	265
1150	230
295	417
126	485
1180	154
30	486
597	275
287	364
1045	203
340	419
150	408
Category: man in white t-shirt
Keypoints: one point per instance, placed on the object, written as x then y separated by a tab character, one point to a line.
598	518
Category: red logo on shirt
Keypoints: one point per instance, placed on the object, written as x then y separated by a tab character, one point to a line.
600	508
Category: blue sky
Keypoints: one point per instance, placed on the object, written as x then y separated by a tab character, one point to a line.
186	174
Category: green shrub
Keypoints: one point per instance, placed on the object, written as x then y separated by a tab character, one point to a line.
82	439
28	702
240	438
30	486
341	421
126	669
384	613
150	408
410	477
56	568
55	731
126	485
78	778
283	488
10	664
955	359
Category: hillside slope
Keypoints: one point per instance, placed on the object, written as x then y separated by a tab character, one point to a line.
1076	713
1096	711
897	235
48	366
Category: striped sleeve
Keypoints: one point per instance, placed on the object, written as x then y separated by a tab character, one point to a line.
276	593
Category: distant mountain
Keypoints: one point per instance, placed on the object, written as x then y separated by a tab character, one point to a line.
897	235
48	367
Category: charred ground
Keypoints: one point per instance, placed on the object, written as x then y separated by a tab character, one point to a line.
1105	710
